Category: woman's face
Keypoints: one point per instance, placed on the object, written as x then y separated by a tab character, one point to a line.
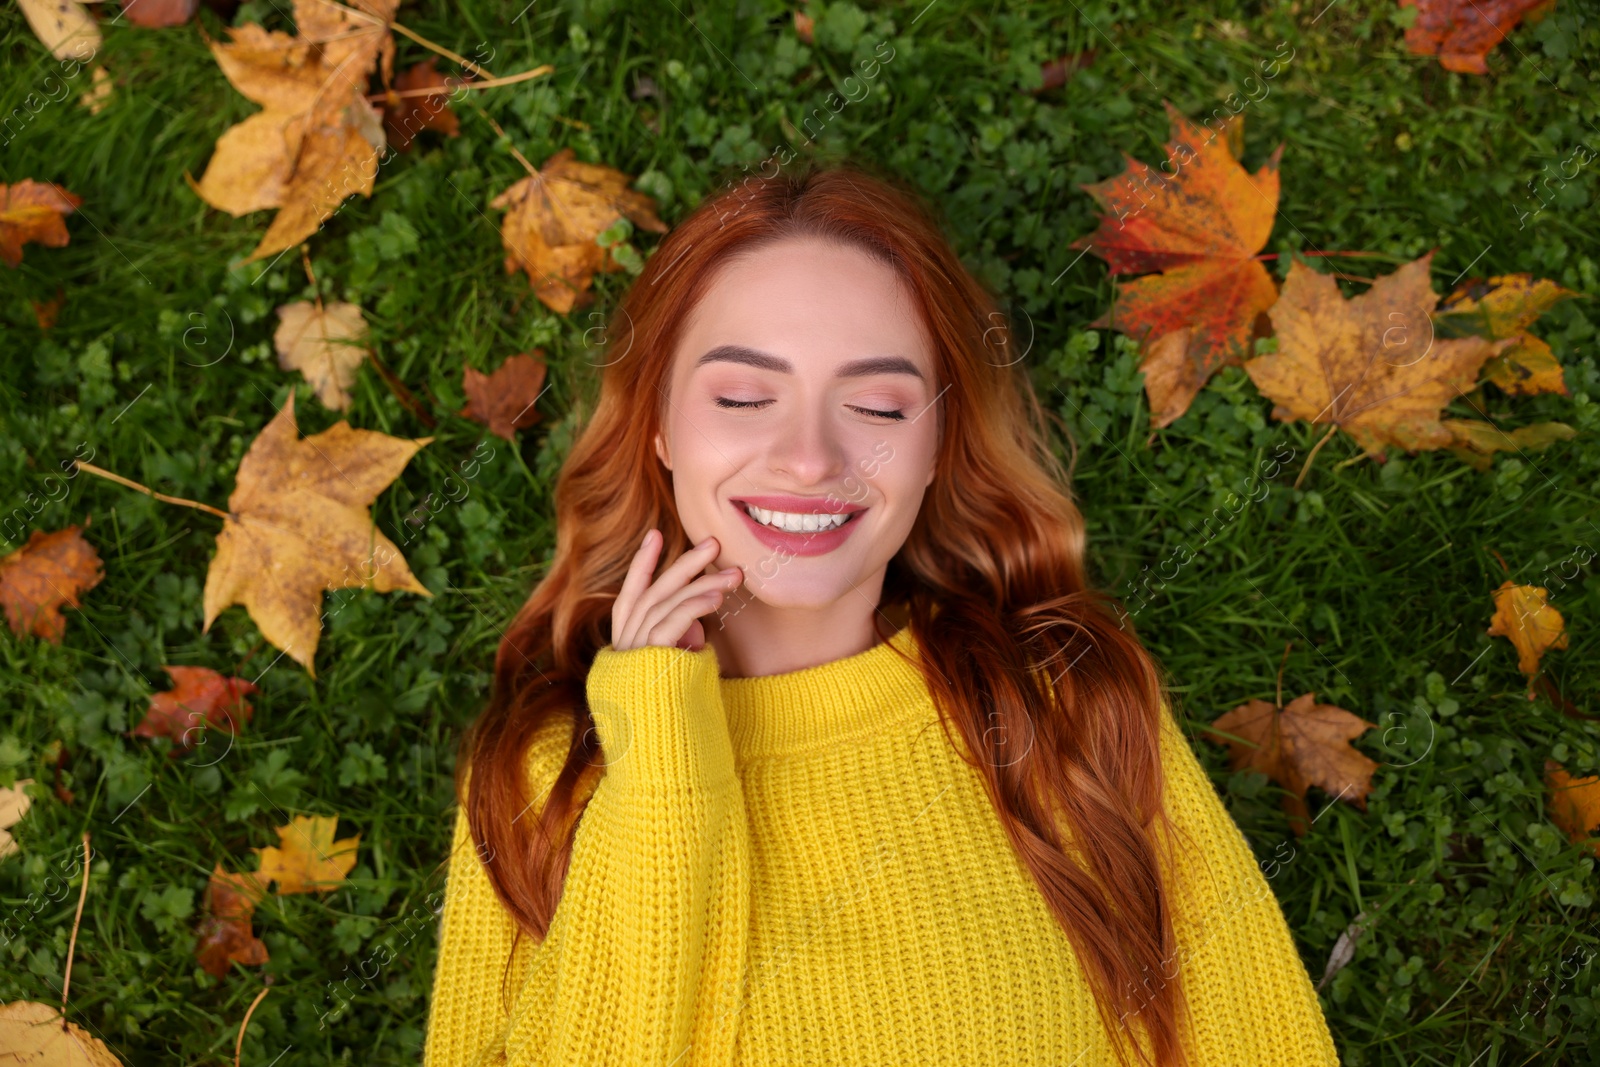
803	385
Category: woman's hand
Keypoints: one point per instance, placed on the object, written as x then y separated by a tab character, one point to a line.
667	611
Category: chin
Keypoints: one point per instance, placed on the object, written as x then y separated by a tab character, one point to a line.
785	593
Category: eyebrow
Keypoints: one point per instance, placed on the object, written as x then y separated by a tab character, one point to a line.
858	368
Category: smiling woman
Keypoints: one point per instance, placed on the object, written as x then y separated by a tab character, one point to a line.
743	840
802	357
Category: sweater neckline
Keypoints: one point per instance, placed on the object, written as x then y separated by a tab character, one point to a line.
779	714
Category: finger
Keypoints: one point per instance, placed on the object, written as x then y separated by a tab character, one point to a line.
670	629
652	615
672	580
634	584
694	639
686	566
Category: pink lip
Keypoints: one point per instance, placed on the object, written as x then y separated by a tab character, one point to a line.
813	543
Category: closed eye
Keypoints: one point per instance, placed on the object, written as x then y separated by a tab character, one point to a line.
724	402
895	415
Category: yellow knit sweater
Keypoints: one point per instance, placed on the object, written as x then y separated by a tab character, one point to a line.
800	869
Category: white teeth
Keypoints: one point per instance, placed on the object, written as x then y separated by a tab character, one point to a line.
794	523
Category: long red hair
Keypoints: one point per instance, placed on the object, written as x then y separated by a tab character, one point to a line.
1056	701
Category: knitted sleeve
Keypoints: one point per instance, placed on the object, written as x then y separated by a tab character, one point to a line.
1250	998
645	956
466	1014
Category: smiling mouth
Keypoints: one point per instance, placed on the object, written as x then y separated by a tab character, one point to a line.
797	522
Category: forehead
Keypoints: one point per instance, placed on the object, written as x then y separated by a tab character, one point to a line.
809	300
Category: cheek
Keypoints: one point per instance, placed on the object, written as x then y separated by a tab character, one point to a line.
705	453
898	466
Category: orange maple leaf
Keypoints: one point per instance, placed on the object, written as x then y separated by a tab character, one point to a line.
199	699
1461	32
45	575
1302	745
33	211
1201	225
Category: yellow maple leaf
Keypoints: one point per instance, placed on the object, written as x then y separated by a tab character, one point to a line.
1522	614
307	858
552	221
1371	365
1526	368
316	140
35	1034
298	525
1503	306
1477	441
1574	803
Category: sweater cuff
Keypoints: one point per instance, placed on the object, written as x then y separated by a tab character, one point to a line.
658	712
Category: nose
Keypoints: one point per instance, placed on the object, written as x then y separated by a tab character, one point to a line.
807	449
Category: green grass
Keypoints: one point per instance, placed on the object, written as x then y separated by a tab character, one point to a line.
1379	575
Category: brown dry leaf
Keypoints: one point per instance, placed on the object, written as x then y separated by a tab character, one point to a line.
47	311
503	401
14	804
326	344
1522	613
1054	73
225	933
552	221
33	211
1461	32
299	525
406	116
317	139
33	1034
1477	441
1200	220
48	573
155	14
1574	803
804	26
308	859
199	700
1305	744
1371	365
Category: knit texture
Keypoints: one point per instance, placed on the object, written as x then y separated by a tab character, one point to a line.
801	869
